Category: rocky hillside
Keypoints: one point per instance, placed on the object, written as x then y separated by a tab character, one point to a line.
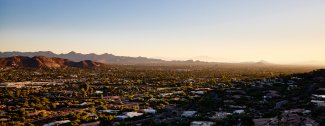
103	58
45	62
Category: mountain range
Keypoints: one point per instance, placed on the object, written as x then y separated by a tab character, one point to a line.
103	58
112	59
48	59
45	62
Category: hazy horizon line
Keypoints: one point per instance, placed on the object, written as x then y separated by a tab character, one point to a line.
195	58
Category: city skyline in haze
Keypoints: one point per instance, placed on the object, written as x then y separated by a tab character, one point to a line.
276	31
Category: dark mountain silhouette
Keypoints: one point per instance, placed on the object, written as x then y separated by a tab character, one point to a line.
45	62
263	62
104	58
112	59
259	63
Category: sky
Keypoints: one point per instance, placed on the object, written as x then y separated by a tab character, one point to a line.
277	31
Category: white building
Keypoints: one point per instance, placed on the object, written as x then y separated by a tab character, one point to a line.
220	115
188	113
165	94
150	111
83	104
202	123
318	96
198	92
109	111
128	115
240	111
121	117
57	123
99	92
318	103
133	114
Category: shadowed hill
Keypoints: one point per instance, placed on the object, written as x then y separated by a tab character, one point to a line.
45	62
103	58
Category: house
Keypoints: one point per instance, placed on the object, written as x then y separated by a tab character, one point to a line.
265	122
316	96
83	104
150	111
3	113
220	115
121	117
129	105
29	109
57	123
306	112
240	111
153	99
96	123
99	92
9	85
203	89
272	94
202	123
73	75
318	103
237	107
291	87
2	106
165	94
280	104
109	111
112	97
179	92
188	113
198	92
292	117
133	114
4	120
228	101
92	116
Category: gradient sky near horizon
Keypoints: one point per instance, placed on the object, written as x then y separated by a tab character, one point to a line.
279	31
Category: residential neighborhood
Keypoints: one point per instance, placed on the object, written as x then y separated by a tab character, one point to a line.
92	98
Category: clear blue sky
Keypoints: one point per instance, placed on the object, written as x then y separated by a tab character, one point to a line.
239	30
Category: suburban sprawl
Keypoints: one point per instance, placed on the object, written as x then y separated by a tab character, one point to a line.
162	96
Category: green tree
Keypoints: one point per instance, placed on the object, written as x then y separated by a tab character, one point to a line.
53	105
102	107
87	86
106	120
84	93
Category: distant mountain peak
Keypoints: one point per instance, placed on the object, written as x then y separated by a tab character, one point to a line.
45	52
72	52
263	62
